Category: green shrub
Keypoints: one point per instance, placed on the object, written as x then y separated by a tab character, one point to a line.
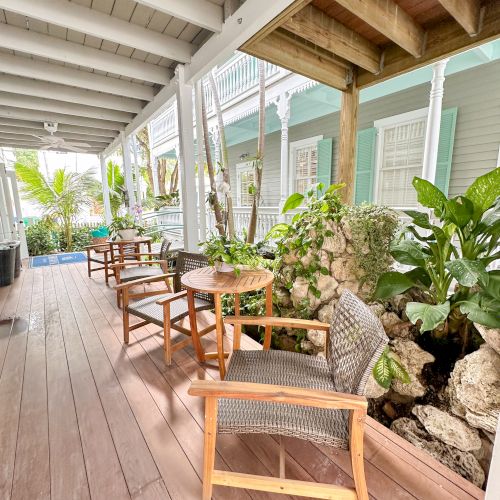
40	239
81	238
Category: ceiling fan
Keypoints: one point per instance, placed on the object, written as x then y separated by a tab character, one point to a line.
53	142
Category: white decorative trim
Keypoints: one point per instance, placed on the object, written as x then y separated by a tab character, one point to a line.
401	118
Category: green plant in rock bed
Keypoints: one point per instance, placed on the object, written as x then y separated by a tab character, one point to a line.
458	247
81	238
127	221
233	251
40	238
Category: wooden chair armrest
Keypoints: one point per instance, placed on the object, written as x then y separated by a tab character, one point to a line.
137	262
171	298
278	394
274	321
141	281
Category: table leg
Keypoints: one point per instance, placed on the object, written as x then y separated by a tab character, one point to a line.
219	328
237	328
200	354
269	312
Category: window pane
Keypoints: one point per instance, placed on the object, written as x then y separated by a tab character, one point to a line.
246	179
306	165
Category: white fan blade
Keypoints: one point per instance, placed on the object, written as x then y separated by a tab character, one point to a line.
72	148
40	138
77	144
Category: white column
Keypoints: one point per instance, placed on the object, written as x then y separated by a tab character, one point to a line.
105	189
187	160
137	172
434	121
127	172
283	110
200	162
154	168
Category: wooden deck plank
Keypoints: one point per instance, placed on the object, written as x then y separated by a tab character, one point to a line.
11	383
67	465
31	469
136	461
104	473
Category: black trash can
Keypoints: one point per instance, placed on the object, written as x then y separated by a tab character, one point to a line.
7	264
16	244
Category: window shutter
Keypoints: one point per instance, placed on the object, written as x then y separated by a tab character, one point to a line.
445	149
324	172
365	164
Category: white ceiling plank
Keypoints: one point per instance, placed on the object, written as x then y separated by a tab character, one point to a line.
95	23
30	68
41	45
21	145
200	12
23	131
66	108
47	116
252	16
27	86
73	129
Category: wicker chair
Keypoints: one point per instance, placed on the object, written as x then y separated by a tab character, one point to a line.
135	269
290	394
167	309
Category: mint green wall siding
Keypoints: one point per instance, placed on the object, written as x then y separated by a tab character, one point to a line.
476	94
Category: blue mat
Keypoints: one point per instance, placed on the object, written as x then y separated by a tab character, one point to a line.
57	258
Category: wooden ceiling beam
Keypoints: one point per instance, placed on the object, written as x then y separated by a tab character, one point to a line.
314	25
289	53
466	13
65	135
443	40
389	19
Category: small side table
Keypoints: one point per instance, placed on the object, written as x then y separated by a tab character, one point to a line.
207	280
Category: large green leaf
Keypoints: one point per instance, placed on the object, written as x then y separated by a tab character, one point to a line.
293	201
392	283
420	219
467	272
419	275
492	285
459	210
431	315
382	370
398	371
409	252
277	231
483	310
429	195
484	191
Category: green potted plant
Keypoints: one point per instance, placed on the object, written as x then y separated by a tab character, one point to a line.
231	254
126	228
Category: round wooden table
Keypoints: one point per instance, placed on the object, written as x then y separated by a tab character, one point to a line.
208	280
117	247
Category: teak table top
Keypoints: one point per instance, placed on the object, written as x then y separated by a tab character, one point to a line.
207	279
137	239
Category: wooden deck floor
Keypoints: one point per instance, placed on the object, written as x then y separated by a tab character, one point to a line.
82	416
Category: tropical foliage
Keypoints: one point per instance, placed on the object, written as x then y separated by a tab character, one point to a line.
455	245
61	197
116	184
41	238
125	222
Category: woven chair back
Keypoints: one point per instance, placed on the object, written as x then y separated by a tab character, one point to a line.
187	261
164	249
357	339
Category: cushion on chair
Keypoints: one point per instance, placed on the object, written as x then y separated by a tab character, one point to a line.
322	426
137	272
149	310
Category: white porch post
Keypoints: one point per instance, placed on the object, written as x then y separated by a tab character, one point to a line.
137	171
105	189
127	172
200	162
186	160
154	168
283	110
434	121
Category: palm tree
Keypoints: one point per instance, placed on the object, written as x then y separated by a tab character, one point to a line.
61	197
116	183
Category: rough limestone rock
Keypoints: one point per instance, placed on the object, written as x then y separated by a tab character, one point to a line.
373	389
462	462
300	291
327	285
413	358
377	308
474	388
490	335
389	319
447	428
317	337
283	296
325	314
353	286
342	268
335	244
290	258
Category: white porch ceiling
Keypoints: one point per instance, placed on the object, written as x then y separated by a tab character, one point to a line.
102	67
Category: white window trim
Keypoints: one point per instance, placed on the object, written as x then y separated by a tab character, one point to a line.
240	168
310	141
381	125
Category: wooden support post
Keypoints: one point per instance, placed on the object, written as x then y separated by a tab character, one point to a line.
346	168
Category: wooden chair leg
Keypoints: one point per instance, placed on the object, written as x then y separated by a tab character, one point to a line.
356	425
89	271
282	458
209	446
167	345
126	319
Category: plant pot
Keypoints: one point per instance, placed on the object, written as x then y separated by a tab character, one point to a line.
126	234
222	267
